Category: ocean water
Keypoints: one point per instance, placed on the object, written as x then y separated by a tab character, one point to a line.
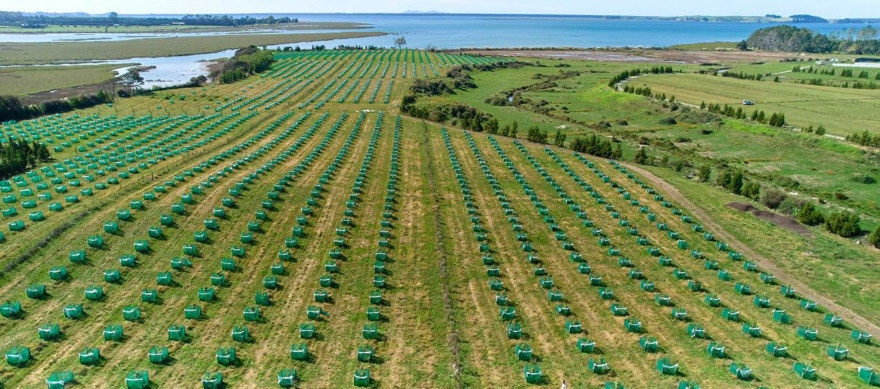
452	31
445	31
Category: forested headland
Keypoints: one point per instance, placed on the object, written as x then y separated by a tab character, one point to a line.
796	39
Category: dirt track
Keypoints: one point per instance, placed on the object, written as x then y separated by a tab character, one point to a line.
764	263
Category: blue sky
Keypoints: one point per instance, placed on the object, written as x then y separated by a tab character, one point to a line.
824	8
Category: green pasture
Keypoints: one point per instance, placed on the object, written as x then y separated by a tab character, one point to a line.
25	80
803	105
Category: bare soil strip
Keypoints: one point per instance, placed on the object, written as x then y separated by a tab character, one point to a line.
439	238
642	55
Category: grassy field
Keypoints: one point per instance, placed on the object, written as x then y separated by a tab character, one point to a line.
67	52
803	105
25	80
306	176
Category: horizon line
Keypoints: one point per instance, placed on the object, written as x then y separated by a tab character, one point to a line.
440	13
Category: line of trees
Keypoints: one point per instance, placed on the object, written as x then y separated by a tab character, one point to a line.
812	70
843	72
11	107
846	84
626	74
113	18
646	91
17	156
849	73
858	84
842	223
246	61
774	120
742	75
226	20
864	138
594	145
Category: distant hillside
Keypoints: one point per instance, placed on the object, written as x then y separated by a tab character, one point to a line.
57	14
807	19
788	38
858	20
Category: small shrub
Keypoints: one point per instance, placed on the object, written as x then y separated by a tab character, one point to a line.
736	183
461	78
723	180
845	224
536	135
430	88
641	156
772	198
601	125
786	182
559	139
874	238
863	179
810	215
752	190
678	165
791	206
704	173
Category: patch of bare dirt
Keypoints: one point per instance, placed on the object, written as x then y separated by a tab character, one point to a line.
773	217
644	55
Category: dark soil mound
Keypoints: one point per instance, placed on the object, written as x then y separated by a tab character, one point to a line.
772	217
